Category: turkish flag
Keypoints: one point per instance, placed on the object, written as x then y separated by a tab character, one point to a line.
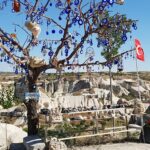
139	50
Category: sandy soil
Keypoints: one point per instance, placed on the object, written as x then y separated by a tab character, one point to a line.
120	146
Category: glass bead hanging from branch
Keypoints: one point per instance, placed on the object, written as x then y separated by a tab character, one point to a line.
16	6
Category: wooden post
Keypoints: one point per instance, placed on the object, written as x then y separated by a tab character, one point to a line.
96	119
142	124
113	120
126	122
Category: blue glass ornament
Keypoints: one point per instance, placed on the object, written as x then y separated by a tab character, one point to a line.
48	22
124	38
50	4
91	43
100	8
60	18
91	58
59	4
74	20
104	0
111	2
77	18
80	22
50	53
91	10
77	34
5	59
104	21
16	71
76	2
134	26
116	61
66	54
53	31
66	50
60	31
66	43
67	10
69	68
81	51
47	33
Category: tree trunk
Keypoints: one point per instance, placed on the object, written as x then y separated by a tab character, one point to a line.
32	115
111	90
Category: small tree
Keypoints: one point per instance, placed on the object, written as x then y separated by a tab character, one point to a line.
66	37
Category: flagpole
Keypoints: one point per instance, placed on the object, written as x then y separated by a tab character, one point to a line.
138	79
139	92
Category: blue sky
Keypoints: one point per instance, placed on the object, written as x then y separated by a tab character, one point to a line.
134	9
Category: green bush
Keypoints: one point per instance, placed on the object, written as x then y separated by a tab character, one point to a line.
7	96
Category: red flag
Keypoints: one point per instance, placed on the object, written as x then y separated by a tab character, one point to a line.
139	50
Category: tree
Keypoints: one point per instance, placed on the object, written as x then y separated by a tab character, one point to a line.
66	42
114	40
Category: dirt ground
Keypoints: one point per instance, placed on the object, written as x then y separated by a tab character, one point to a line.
120	146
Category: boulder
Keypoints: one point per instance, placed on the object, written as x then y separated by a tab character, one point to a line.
33	143
11	137
139	108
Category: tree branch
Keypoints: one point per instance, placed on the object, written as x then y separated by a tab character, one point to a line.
10	54
64	36
51	66
101	63
5	35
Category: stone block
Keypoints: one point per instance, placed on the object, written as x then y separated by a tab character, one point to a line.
34	143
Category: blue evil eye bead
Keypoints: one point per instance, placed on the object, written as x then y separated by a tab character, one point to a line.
111	2
69	67
104	21
65	43
58	4
134	26
91	58
66	50
76	2
53	31
67	10
50	53
116	61
124	38
74	20
80	22
60	18
91	10
16	71
48	22
60	31
66	54
98	45
81	51
47	33
100	8
77	18
73	37
5	59
50	4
